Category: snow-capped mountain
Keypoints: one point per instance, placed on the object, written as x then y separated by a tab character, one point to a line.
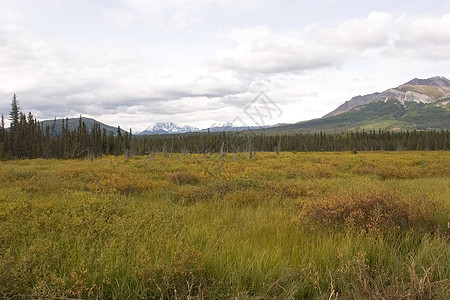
229	126
218	127
168	128
173	128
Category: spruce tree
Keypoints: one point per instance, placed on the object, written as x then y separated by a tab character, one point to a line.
2	130
14	114
2	138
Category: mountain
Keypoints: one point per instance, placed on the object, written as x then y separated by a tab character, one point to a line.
421	104
173	128
217	127
168	128
352	103
437	81
417	90
73	124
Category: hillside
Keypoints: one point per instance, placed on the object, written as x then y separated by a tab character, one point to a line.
421	104
73	124
417	90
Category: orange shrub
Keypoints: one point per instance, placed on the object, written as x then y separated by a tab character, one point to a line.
125	183
188	194
372	211
182	177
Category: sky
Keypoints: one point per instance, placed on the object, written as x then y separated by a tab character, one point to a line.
197	62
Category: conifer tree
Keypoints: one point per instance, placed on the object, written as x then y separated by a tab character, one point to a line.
119	144
2	137
2	130
14	113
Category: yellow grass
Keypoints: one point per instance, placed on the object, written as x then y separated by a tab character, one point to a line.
302	225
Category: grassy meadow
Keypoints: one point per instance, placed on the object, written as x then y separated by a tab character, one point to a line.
367	225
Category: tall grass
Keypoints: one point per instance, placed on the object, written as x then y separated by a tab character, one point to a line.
322	226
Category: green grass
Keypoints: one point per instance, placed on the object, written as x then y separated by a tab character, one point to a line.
205	227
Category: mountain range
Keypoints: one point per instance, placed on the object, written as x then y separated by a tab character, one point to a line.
416	91
173	128
420	104
168	128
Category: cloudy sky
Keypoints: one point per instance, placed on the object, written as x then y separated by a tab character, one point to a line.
136	62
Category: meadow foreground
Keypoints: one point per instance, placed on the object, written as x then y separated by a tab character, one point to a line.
366	225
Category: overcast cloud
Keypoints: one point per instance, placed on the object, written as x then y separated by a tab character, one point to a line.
133	62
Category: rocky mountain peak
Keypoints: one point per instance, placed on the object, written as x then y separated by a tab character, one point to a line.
437	81
414	91
168	128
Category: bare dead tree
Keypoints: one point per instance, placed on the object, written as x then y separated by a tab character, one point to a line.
165	151
221	149
278	148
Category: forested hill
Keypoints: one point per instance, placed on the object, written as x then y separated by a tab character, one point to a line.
28	138
378	115
56	125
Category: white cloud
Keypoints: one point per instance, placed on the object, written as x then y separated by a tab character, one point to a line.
119	18
55	81
258	49
250	34
136	75
424	31
172	15
360	33
279	55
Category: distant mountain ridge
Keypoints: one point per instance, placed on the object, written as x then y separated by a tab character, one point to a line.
168	128
173	128
421	104
352	103
56	125
437	81
416	90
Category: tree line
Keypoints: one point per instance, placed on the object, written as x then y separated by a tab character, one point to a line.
233	142
28	138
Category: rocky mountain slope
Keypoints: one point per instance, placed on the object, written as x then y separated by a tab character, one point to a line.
421	104
415	91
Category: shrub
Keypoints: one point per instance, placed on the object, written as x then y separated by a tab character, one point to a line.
182	177
247	197
124	183
188	194
372	211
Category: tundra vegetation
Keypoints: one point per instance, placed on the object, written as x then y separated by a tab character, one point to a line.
329	225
